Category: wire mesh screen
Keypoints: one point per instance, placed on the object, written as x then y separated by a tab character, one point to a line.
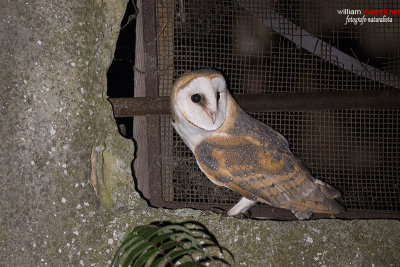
290	46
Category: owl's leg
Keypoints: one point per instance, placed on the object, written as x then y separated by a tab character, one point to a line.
242	206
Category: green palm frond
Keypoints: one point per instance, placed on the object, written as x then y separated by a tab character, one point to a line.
164	244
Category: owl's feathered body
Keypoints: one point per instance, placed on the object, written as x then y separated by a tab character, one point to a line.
248	156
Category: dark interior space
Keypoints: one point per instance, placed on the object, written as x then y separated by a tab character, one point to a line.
120	73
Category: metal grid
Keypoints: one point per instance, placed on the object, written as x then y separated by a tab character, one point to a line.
358	151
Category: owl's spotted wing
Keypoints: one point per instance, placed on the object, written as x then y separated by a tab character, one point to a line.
257	163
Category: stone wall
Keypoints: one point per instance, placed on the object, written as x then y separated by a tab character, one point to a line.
67	193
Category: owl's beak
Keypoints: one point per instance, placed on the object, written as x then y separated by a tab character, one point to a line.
210	114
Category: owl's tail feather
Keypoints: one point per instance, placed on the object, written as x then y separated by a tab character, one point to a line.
329	191
329	206
315	205
321	200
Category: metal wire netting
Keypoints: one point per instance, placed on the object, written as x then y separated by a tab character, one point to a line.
357	151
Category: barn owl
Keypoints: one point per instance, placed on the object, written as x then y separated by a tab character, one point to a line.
237	151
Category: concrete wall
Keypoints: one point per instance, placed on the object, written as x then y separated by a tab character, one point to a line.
67	194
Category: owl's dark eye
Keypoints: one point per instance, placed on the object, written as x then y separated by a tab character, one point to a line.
218	96
196	98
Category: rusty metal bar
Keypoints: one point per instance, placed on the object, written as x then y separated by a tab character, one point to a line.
129	107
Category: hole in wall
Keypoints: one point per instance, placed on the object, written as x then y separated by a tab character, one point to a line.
120	74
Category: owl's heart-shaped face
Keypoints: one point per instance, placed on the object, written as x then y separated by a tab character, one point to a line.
202	102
